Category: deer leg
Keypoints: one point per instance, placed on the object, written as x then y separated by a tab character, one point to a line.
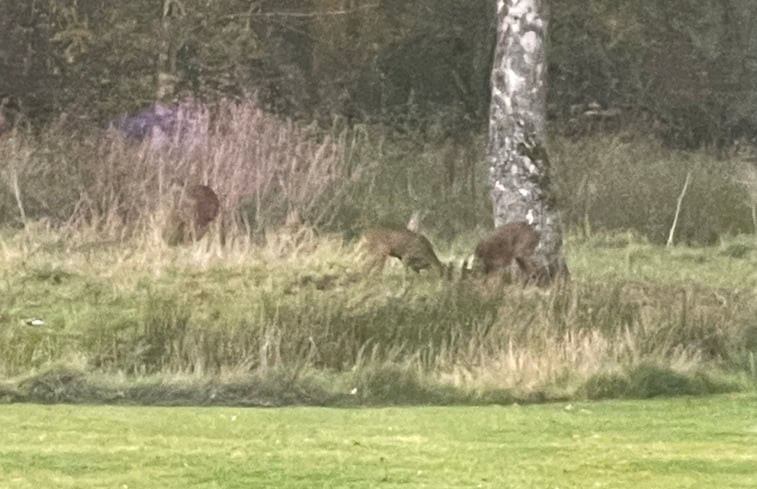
376	264
526	268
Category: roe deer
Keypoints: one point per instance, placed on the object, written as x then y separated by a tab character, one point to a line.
412	248
192	214
513	241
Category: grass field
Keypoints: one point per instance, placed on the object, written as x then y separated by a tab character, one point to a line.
682	443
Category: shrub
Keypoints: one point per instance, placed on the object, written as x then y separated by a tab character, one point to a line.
605	386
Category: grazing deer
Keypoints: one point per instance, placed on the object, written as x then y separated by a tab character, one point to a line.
412	248
513	241
191	216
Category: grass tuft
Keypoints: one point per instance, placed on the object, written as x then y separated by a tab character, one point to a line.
647	381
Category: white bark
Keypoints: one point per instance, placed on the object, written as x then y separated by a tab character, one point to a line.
518	161
166	75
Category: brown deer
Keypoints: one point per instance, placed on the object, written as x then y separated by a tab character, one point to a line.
515	241
412	248
190	218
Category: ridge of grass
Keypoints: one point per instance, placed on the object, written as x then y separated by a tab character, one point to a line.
309	319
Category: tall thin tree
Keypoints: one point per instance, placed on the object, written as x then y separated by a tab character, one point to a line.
518	162
166	75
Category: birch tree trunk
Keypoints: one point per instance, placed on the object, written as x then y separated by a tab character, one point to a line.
166	75
519	168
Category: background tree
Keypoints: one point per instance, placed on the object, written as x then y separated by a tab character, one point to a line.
678	70
518	160
631	85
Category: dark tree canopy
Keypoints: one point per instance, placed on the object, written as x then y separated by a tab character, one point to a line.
681	69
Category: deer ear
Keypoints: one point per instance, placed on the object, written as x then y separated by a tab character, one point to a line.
464	270
414	223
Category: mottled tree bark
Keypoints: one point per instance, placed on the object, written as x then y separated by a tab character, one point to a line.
518	163
166	76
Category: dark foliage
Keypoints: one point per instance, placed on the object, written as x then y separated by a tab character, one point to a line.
681	69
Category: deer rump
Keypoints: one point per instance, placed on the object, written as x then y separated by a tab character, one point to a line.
515	241
191	217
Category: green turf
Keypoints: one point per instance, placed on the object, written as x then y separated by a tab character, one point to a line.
681	443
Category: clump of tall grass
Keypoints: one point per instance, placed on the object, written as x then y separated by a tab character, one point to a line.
263	168
619	182
266	170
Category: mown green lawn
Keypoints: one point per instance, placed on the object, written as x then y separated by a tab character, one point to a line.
680	443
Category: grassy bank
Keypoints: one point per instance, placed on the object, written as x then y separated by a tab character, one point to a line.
684	443
301	323
274	306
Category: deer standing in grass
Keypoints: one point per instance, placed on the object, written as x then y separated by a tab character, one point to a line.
408	245
515	241
190	218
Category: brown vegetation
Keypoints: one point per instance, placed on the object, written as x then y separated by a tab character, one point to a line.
513	241
413	249
190	218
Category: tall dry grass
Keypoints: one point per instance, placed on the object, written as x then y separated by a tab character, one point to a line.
262	167
624	182
113	301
